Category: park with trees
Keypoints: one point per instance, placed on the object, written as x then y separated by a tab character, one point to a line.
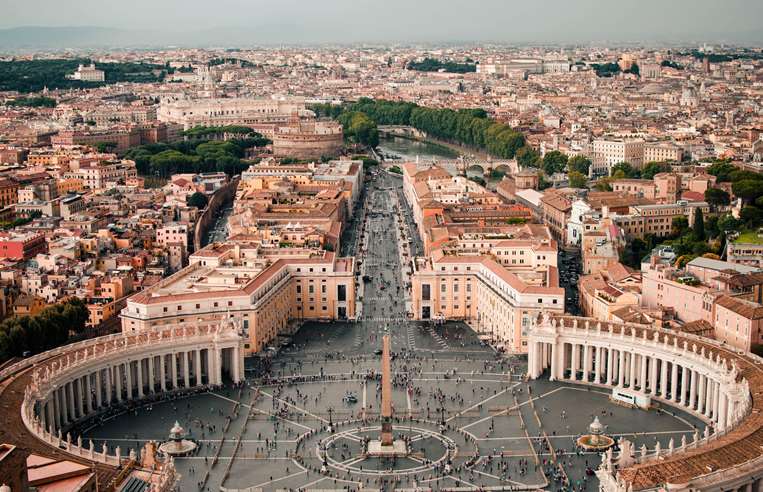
34	75
469	127
435	65
50	328
197	154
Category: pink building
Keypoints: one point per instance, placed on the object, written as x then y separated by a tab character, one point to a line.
738	322
665	286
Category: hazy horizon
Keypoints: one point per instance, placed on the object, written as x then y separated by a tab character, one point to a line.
349	21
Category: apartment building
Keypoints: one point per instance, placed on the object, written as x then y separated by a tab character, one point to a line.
662	152
608	152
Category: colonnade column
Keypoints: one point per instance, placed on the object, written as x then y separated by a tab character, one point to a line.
684	385
642	374
49	425
174	371
162	373
70	401
663	378
701	393
197	365
575	362
610	365
80	412
128	373
653	376
118	381
632	370
709	397
674	382
61	405
211	377
109	380
693	388
186	375
56	409
62	409
98	389
554	361
151	377
598	365
621	368
139	365
586	361
722	408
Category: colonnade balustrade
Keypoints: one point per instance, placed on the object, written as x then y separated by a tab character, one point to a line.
92	377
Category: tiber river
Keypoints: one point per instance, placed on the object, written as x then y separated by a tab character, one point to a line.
407	150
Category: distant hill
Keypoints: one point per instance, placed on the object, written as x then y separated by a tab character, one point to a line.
62	37
30	38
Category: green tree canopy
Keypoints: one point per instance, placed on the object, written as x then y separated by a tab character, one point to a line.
577	180
747	189
554	162
651	169
359	126
528	157
721	170
435	65
469	127
49	328
625	170
699	225
198	200
717	196
579	163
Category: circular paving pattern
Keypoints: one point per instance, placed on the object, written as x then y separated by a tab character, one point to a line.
345	456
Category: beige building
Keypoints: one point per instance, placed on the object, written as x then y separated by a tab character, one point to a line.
264	288
88	73
500	295
661	152
261	114
608	152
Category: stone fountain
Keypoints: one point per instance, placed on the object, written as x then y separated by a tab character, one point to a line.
177	444
595	440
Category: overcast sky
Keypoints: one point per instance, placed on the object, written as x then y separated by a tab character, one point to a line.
320	21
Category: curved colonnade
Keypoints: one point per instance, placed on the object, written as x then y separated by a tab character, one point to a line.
82	380
718	384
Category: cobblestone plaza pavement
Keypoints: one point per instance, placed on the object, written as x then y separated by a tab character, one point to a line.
499	433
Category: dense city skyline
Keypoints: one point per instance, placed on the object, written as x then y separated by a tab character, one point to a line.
386	246
234	22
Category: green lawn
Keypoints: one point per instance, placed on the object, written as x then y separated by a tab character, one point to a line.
749	237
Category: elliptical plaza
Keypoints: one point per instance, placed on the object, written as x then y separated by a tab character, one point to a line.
469	416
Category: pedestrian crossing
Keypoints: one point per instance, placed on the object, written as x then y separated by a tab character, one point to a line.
437	338
411	337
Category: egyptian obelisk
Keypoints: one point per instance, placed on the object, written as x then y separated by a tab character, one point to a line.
386	390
